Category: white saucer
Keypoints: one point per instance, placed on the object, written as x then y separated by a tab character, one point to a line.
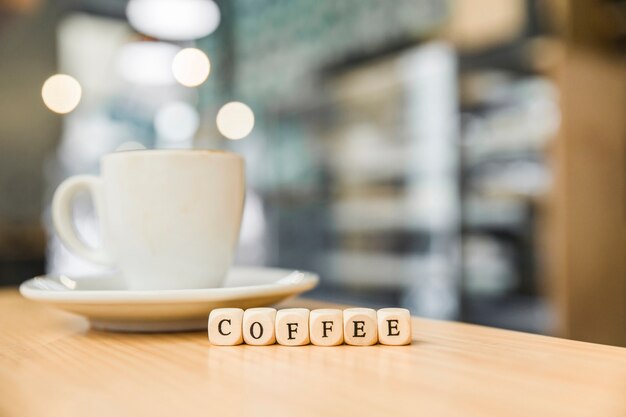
108	306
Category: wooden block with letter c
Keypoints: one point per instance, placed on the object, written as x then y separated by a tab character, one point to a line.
225	326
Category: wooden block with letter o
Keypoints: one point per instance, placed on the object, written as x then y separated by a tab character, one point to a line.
292	326
259	326
360	327
326	327
394	326
225	326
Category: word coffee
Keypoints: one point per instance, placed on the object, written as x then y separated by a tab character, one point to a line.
300	326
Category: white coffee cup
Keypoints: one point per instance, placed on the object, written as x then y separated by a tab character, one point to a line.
169	219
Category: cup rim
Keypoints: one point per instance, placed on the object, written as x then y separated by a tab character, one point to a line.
165	152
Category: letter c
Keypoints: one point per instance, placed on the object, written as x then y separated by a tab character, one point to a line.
219	327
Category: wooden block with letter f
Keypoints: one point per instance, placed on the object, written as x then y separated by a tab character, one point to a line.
326	327
292	326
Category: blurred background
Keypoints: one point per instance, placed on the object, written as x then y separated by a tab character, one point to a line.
465	159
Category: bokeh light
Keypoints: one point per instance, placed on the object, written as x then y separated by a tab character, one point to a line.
191	67
175	20
61	93
147	62
176	122
235	120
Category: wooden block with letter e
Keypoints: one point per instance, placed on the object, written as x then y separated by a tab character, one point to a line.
326	327
292	326
360	327
394	326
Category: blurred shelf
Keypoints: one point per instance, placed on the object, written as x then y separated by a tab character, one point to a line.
366	162
367	297
292	195
509	214
488	150
421	210
377	214
529	55
488	266
372	270
516	312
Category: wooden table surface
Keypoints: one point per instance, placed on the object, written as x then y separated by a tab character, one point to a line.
51	364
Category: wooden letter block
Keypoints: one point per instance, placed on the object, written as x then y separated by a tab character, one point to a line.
258	326
360	327
326	327
394	326
225	326
292	326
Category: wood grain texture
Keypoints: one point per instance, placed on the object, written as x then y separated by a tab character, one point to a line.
51	364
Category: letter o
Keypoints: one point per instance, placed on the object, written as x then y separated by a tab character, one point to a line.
260	330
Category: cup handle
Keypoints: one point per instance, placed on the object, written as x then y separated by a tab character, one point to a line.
62	216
